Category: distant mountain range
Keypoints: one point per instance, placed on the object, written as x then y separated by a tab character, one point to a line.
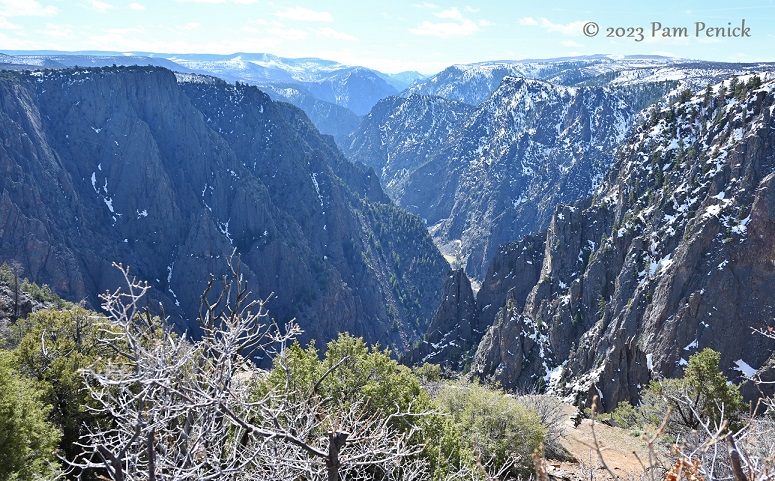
474	83
334	95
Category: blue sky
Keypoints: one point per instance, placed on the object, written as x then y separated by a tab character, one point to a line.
389	35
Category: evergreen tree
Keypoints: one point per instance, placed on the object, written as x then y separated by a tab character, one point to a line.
27	440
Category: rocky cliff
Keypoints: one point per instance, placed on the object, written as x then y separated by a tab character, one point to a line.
400	135
171	175
672	254
454	329
329	118
485	176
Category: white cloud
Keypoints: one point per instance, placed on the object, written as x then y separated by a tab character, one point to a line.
329	32
288	33
571	43
101	7
452	13
6	25
429	5
457	26
446	29
192	26
302	14
238	2
58	31
571	28
137	6
25	8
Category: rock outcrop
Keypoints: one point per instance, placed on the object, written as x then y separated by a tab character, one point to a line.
452	333
672	254
172	175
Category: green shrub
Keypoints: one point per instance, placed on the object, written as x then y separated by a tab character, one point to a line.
495	426
703	394
626	416
428	372
352	372
27	440
54	346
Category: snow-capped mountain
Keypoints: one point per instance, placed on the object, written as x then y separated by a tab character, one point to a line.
355	88
672	254
474	83
487	175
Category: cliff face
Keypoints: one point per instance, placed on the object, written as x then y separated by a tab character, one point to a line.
454	329
170	176
487	175
329	118
672	254
399	135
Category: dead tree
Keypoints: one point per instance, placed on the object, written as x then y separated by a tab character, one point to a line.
183	409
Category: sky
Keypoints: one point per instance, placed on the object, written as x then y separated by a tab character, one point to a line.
397	35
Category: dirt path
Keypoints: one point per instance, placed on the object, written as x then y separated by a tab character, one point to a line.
619	448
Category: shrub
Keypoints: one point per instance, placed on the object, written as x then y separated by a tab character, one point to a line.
550	413
27	440
709	390
495	426
54	346
702	395
626	416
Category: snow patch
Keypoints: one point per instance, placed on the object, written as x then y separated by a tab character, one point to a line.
744	368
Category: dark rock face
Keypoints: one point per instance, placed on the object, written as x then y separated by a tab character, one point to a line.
399	135
15	304
673	254
329	118
461	321
484	177
328	92
521	345
171	177
516	267
452	332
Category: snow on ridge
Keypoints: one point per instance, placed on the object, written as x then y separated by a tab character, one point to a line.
744	368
